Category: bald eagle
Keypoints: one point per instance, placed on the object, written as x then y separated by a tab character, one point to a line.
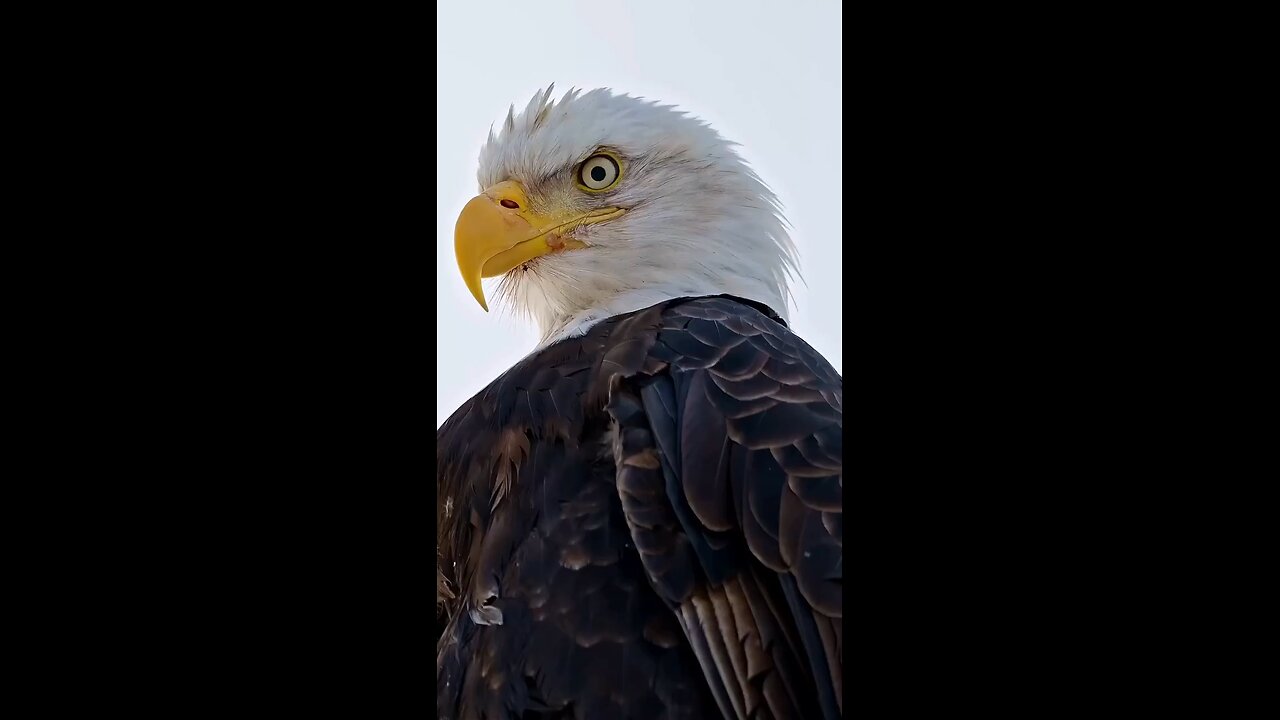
642	518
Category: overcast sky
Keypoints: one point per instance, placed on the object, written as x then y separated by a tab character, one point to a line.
766	74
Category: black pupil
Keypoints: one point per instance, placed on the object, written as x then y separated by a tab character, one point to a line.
597	173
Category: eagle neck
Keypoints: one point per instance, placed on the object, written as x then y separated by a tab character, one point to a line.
555	328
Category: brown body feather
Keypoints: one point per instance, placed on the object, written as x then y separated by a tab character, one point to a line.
645	522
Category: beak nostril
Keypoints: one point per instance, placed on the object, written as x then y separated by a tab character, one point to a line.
510	204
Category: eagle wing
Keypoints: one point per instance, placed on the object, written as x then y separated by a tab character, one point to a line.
728	451
543	608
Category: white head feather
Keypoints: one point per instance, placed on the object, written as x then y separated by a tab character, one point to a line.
698	220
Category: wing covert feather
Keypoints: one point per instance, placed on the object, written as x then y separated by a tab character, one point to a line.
746	421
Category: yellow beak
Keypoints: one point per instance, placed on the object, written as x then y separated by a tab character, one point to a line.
497	231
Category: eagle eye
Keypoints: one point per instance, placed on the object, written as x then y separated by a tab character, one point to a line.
600	172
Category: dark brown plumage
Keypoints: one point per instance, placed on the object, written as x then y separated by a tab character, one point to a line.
645	522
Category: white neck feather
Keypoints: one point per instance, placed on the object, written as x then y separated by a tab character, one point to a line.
556	328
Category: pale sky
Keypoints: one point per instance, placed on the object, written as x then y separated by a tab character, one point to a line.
766	74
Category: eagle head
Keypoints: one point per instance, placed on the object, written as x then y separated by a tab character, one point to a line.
602	204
